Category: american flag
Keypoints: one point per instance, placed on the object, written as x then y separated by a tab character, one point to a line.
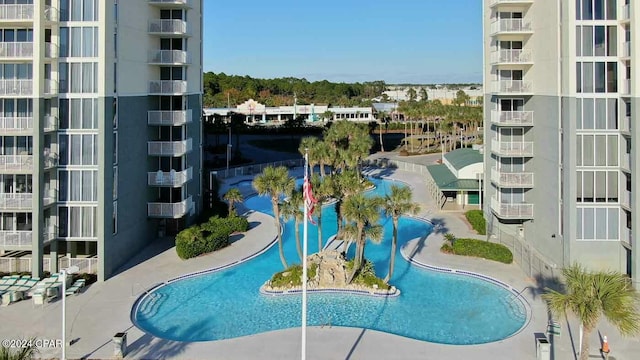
309	200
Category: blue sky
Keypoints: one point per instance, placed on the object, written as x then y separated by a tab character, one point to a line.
399	41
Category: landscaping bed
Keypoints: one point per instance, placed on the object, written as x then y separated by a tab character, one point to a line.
479	248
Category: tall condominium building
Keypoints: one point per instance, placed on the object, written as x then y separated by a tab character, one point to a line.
560	105
100	107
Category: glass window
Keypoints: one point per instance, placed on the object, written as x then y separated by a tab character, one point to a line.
611	9
587	150
588	114
612	77
601	150
601	114
612	41
587	77
64	41
598	9
587	41
579	77
614	223
612	150
589	221
587	10
612	188
599	41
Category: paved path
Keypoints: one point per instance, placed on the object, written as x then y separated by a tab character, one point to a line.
104	308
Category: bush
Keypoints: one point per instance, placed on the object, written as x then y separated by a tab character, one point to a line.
293	276
476	219
403	152
482	249
210	236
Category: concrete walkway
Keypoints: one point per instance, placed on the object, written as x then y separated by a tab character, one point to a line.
94	316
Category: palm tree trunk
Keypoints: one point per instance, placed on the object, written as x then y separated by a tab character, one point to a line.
584	348
394	245
298	244
319	226
276	212
322	168
380	133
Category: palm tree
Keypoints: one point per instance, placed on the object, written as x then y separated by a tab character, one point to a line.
345	185
275	182
292	209
233	196
23	353
396	204
322	190
589	295
363	213
310	144
323	153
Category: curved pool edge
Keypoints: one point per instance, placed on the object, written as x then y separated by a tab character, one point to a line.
513	291
147	292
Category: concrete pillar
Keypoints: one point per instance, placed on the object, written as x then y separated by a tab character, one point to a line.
53	254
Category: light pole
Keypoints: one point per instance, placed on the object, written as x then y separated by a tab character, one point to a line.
64	272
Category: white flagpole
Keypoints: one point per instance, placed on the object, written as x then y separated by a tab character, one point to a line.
304	264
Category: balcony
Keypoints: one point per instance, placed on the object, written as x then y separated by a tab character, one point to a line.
15	238
625	125
513	56
14	124
166	4
19	13
16	163
51	14
16	50
511	210
50	87
50	50
169	148
11	87
625	162
626	237
625	198
511	86
169	27
170	210
50	197
170	178
495	3
169	57
50	233
50	123
626	13
512	118
626	86
16	201
511	26
511	179
512	149
169	118
167	87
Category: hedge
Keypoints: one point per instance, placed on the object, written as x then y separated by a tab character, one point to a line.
482	249
210	236
476	219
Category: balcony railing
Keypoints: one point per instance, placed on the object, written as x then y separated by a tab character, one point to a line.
50	234
12	12
625	198
512	86
512	118
169	57
511	210
169	148
169	118
626	86
16	163
512	179
10	87
510	26
168	27
50	87
167	87
51	13
50	50
18	201
626	236
173	3
169	178
16	124
507	148
626	12
170	210
15	238
10	50
625	125
50	197
513	56
50	123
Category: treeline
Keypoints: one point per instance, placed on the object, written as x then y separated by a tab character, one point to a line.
221	90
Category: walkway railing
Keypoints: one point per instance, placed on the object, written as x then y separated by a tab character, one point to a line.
13	264
254	169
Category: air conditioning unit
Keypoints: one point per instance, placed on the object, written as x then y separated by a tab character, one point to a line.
520	231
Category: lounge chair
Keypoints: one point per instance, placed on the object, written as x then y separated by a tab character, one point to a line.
75	288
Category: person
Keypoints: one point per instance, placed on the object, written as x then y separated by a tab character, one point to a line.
605	347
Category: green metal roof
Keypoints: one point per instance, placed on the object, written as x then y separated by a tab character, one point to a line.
463	157
445	179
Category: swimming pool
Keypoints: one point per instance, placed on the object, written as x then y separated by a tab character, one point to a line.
433	306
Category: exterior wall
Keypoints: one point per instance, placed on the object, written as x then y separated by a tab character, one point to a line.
469	172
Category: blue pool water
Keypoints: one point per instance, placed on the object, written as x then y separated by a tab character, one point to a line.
433	306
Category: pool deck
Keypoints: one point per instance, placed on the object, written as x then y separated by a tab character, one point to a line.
104	308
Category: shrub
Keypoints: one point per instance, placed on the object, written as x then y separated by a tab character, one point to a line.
476	219
446	248
449	238
293	276
483	249
237	223
403	152
189	242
